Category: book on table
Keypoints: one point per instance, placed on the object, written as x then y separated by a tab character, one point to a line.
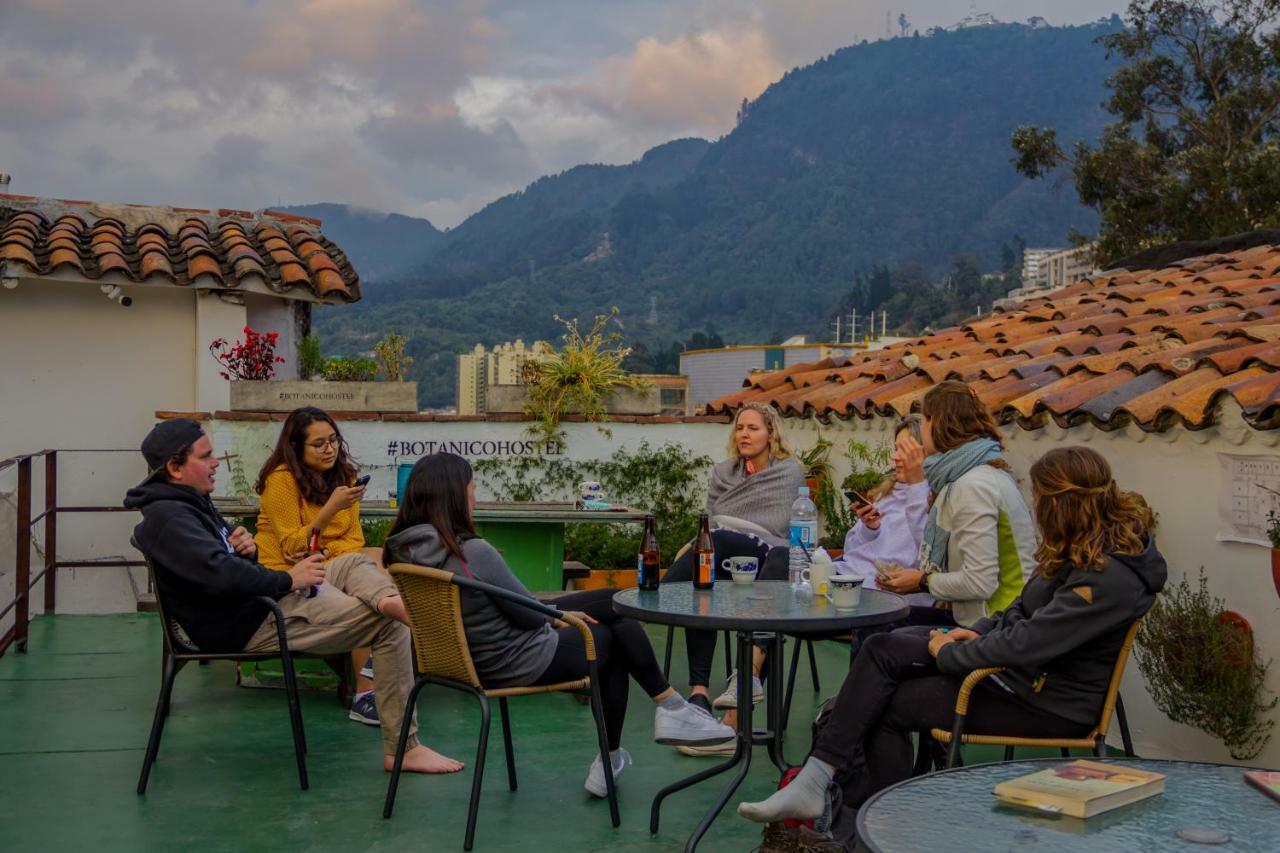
1266	781
1080	788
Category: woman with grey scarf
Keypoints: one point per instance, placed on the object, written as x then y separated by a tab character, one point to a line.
749	499
979	539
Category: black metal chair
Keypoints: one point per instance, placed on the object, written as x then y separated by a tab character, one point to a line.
444	658
179	651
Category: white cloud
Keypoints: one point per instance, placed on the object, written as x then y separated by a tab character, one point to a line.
424	106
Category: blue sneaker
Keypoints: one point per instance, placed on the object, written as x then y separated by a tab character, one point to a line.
365	710
366	671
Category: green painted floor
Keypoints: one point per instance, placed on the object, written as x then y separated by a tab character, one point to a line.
75	712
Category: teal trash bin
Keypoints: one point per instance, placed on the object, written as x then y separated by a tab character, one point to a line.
402	480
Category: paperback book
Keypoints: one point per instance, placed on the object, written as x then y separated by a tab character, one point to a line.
1080	788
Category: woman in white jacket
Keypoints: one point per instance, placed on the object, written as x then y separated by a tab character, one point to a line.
979	541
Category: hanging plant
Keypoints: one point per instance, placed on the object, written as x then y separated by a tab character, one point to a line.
1201	668
578	377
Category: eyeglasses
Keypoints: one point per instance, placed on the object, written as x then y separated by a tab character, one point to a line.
324	443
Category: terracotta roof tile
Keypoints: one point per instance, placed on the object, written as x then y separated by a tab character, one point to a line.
1156	347
180	244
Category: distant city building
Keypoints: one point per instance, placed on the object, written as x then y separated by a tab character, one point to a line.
715	373
1044	270
502	365
982	19
1032	260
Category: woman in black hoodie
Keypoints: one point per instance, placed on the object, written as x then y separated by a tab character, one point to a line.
1058	641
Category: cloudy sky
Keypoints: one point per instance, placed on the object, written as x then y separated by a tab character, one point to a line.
428	108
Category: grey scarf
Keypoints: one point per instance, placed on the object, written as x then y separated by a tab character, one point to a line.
941	471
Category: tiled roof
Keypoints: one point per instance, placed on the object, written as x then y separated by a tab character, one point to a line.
178	245
1155	347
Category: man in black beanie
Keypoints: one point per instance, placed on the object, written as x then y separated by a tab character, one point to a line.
209	580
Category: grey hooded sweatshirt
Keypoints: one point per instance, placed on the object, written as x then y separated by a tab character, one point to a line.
510	645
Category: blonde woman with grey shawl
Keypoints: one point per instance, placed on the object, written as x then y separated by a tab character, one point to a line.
749	500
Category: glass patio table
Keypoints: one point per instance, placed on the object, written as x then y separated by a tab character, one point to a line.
763	606
955	810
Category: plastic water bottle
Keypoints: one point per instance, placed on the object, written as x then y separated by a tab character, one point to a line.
804	536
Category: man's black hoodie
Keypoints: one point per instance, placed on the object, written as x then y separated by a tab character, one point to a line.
207	587
1058	641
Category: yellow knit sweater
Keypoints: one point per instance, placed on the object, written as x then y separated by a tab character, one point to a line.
284	524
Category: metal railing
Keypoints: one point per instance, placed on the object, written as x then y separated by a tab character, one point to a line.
23	582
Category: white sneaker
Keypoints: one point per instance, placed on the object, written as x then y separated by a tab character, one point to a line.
689	725
595	783
729	698
715	750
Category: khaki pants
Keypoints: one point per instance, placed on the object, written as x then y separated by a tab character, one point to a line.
342	617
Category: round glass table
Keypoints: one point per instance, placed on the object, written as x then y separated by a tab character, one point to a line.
764	606
955	810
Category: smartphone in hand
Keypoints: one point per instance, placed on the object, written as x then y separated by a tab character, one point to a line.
857	498
362	480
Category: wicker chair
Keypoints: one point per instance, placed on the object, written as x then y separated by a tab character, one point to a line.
179	651
431	597
1096	740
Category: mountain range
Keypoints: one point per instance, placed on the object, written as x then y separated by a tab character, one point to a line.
877	156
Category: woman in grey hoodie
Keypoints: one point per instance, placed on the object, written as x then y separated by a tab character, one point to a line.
1097	570
513	646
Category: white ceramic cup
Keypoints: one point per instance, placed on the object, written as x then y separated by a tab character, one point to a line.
845	591
741	569
589	490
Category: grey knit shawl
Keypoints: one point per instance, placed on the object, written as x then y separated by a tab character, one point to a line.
764	498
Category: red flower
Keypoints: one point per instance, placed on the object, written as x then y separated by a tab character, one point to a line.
254	358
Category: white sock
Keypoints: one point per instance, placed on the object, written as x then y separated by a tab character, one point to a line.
804	799
674	702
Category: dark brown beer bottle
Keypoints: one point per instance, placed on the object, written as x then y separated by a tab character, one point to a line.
647	559
704	571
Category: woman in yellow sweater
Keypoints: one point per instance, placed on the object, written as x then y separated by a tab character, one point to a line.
306	487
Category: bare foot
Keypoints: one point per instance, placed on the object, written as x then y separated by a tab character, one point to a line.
422	759
393	607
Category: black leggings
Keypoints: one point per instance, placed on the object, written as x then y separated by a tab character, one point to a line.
622	650
894	689
700	645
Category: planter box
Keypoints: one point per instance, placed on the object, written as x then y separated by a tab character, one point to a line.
289	394
600	578
510	399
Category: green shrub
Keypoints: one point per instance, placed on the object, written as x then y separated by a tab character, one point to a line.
1202	671
310	360
667	481
340	369
375	531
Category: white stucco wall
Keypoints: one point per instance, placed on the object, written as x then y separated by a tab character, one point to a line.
80	371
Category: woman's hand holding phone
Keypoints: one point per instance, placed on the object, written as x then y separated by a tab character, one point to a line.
345	497
868	515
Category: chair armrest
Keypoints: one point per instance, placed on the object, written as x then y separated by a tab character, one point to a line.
274	606
587	640
515	597
971	681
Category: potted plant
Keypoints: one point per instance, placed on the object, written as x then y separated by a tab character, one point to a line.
816	462
1202	669
347	383
582	377
1273	533
867	467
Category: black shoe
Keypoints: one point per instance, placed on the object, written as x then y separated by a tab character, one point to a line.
702	701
